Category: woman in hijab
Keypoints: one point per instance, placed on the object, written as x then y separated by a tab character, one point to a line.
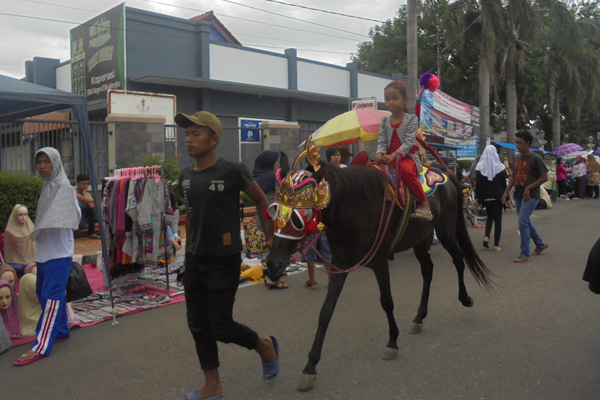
593	176
9	310
57	216
264	172
561	177
579	173
490	186
20	249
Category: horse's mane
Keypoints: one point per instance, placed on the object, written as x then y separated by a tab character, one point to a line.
353	190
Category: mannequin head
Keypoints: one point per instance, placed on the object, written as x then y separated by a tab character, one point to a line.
8	274
22	214
5	298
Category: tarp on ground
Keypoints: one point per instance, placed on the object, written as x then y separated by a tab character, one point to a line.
20	99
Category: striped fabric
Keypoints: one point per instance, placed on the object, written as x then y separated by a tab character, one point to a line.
48	319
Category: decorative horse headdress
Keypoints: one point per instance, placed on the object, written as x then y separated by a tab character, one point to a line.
298	195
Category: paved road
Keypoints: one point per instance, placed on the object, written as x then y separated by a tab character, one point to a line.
536	336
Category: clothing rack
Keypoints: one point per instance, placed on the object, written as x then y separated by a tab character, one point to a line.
137	172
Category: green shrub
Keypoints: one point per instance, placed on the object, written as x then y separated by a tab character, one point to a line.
18	188
248	202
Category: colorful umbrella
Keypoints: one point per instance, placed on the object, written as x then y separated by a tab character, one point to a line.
567	148
349	127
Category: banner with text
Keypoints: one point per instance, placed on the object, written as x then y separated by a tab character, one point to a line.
443	115
466	148
98	54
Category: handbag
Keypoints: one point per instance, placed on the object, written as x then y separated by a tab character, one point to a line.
78	286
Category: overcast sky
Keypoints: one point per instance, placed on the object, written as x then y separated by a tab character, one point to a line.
46	34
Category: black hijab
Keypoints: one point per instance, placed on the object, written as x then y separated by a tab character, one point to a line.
263	172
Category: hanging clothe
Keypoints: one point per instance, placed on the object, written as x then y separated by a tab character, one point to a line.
137	210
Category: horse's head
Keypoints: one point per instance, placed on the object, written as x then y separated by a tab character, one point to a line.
295	212
292	225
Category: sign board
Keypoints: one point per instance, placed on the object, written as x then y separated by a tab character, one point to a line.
249	130
98	54
364	104
467	148
142	103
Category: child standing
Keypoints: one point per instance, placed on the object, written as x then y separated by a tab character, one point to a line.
57	216
398	140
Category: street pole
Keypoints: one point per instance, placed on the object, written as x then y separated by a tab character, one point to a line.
411	56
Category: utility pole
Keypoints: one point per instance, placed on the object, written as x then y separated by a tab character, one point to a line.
438	41
411	56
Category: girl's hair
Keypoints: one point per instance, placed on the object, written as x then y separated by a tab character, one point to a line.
331	151
559	160
399	85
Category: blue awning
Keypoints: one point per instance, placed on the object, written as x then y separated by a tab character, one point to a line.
512	146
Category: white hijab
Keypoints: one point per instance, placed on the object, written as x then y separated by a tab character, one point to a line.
57	206
489	164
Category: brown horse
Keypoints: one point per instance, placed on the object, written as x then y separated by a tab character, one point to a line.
352	220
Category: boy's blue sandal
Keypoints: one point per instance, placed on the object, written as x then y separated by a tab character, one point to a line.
272	369
195	395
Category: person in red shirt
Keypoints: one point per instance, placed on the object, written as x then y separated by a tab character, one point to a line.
398	141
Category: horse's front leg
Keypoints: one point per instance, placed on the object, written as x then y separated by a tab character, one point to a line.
382	273
422	253
309	374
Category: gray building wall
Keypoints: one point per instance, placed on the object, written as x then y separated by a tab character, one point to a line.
161	45
42	71
161	49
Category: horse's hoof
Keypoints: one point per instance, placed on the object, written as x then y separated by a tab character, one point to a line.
306	382
415	328
389	354
469	302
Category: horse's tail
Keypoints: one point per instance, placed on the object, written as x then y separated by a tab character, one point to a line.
475	264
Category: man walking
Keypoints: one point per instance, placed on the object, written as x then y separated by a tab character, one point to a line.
213	247
529	173
86	203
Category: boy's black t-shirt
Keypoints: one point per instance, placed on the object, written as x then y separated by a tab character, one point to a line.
528	169
213	199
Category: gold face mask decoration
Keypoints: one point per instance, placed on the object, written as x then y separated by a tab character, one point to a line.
298	190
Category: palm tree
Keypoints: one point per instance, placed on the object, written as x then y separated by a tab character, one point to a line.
481	19
521	22
570	70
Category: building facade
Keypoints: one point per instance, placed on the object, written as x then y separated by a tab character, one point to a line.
205	68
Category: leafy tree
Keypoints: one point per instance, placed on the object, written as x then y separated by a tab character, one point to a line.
527	62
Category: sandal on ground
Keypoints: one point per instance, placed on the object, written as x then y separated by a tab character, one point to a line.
485	242
271	370
522	259
310	285
27	358
280	284
195	395
422	213
497	248
538	249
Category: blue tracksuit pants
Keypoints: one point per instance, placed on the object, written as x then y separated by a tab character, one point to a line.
52	277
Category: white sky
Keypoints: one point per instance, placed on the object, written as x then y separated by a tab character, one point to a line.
25	38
